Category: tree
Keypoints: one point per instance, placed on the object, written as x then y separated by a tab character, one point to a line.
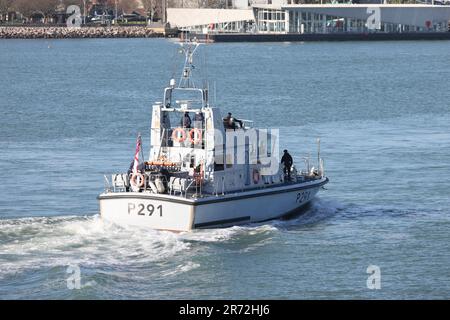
127	6
5	6
48	7
27	8
150	7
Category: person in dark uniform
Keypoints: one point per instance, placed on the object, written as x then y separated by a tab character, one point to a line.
287	161
186	120
230	122
140	167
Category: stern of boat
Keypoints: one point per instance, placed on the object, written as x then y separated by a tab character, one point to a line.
137	209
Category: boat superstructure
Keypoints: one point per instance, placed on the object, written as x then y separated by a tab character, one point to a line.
205	170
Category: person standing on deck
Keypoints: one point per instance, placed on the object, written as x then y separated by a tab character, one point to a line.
230	122
186	120
287	161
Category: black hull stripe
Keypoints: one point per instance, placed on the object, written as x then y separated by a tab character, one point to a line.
209	201
221	222
218	222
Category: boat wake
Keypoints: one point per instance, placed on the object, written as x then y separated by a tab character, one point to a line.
29	243
89	241
315	212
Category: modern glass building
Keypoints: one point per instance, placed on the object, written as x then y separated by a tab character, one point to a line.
356	18
284	16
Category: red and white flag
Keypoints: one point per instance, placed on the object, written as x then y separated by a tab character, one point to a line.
136	155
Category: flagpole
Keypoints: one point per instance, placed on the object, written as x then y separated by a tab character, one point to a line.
142	148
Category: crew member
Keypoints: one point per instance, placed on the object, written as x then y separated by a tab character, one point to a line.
140	167
186	120
287	161
230	122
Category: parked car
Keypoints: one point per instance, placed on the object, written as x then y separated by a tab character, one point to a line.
102	19
132	17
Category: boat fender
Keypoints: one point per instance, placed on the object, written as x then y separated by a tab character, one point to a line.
256	176
178	134
153	187
137	181
159	185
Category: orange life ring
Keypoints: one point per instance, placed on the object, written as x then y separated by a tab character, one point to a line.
179	135
195	132
256	176
134	180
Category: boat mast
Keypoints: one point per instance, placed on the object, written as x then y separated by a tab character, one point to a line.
188	48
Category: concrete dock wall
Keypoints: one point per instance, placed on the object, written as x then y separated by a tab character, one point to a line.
245	37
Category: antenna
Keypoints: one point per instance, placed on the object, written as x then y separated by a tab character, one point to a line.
215	96
188	48
318	153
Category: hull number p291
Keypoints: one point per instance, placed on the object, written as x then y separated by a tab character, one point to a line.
144	210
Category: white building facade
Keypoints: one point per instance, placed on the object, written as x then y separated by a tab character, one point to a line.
280	16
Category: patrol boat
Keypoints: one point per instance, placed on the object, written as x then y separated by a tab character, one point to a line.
207	173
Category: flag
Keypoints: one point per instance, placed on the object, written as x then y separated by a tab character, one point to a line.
136	154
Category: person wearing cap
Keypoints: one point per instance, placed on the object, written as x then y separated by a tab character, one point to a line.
230	122
287	161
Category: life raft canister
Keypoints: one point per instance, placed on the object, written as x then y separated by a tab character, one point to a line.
179	135
137	180
256	176
195	135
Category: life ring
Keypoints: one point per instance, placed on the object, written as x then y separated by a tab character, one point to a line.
179	135
256	176
137	180
195	132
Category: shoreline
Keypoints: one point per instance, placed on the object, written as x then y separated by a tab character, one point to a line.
98	32
312	37
62	32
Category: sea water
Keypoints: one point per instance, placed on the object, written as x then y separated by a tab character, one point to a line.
70	111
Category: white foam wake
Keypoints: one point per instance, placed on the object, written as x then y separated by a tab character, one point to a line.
37	242
58	241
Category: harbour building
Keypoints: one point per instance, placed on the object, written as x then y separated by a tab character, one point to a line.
292	17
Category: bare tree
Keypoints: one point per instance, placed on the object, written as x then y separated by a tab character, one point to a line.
44	7
5	6
127	6
48	7
25	7
151	7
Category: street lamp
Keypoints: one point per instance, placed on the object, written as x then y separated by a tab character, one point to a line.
116	10
84	12
163	11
